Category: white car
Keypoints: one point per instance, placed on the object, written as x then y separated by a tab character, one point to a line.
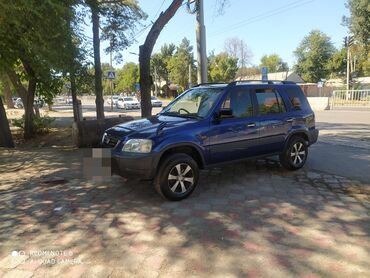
69	100
156	102
114	99
128	103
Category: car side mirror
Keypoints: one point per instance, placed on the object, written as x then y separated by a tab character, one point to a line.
225	113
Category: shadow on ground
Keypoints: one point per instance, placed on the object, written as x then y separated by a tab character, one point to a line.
249	219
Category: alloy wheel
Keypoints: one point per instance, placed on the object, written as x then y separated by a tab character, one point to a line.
297	153
181	178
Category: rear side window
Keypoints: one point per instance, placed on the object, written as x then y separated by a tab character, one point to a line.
297	99
240	103
269	102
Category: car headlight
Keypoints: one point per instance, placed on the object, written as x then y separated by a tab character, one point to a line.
138	146
103	138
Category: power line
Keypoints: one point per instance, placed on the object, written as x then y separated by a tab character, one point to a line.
262	16
160	7
141	32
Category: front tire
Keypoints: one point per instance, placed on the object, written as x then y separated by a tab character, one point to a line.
295	154
177	177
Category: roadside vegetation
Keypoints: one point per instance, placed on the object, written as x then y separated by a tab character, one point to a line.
33	66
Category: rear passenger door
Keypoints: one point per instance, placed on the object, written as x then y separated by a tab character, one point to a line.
273	119
235	137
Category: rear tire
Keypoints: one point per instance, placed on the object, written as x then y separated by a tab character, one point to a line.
295	154
177	177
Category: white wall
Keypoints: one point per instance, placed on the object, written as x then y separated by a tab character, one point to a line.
318	103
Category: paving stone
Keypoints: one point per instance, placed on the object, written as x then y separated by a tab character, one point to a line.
16	273
13	260
97	271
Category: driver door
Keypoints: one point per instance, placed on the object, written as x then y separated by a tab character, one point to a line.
235	137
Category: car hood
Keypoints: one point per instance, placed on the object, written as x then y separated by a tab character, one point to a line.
131	101
146	127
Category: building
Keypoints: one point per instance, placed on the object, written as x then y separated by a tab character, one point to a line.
283	75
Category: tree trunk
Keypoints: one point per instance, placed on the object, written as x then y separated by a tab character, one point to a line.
7	92
6	139
145	52
21	90
99	101
28	109
76	115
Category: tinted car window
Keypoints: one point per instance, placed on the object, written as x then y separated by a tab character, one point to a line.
240	103
297	99
269	102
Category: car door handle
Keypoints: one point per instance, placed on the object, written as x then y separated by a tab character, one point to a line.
289	120
251	125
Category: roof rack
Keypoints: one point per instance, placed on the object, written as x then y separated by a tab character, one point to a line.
211	83
261	81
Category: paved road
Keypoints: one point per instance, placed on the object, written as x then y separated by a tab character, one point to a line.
344	144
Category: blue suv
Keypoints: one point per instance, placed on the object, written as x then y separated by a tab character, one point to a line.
212	124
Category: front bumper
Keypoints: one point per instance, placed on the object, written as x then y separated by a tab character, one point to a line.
134	165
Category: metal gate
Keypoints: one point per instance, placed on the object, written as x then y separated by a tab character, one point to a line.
359	99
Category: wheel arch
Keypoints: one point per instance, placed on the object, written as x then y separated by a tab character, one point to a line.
190	149
298	133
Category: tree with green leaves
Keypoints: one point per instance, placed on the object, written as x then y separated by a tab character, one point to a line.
359	20
178	64
159	62
222	67
313	53
358	23
127	77
337	64
28	55
116	19
274	63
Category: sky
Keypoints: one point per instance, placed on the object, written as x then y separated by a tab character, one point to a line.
266	26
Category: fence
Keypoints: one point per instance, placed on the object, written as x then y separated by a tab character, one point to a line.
350	99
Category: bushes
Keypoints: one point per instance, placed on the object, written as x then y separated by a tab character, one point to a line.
40	124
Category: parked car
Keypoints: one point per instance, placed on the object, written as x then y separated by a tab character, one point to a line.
69	100
128	103
209	125
156	102
18	103
113	99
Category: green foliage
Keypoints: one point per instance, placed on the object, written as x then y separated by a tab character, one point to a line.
117	22
222	67
359	25
178	64
313	54
127	77
40	124
337	64
359	20
172	64
274	63
28	33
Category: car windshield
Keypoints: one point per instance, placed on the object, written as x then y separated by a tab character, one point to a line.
195	103
129	99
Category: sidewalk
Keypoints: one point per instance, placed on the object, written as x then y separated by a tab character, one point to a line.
244	220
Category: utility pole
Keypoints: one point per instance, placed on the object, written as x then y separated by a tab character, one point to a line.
201	43
111	80
190	81
348	41
155	82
